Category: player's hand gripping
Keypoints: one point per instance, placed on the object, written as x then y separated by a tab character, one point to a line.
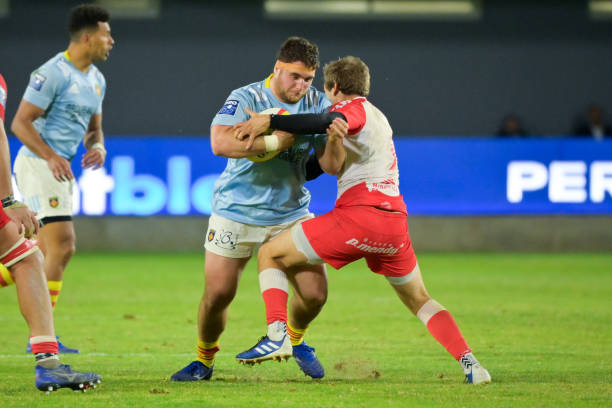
24	218
94	157
60	168
337	130
255	126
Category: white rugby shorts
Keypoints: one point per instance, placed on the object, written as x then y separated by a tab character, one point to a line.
234	239
40	190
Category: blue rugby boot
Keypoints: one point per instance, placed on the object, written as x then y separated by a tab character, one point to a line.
60	348
62	376
307	360
195	371
265	350
474	372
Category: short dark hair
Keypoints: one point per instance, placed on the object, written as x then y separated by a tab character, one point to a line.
350	73
85	16
299	49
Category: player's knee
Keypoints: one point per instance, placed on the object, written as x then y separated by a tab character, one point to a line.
64	248
315	299
264	252
218	298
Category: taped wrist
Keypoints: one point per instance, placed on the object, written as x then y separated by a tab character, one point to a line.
271	142
8	201
99	146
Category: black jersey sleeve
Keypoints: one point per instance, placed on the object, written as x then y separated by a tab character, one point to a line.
304	123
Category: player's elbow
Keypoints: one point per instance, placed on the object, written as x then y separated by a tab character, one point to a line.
331	167
15	125
218	146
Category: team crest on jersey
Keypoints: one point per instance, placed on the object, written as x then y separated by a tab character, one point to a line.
211	235
226	240
54	202
37	80
230	107
98	90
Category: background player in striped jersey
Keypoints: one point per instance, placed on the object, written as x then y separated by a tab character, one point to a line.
253	202
368	197
61	107
22	263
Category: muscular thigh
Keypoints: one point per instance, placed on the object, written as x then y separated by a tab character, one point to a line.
221	274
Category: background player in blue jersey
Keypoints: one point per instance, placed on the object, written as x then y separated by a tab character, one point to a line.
62	107
253	202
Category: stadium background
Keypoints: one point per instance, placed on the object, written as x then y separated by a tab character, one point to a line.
436	81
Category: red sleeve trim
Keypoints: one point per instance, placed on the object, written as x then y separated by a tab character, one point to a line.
354	112
3	93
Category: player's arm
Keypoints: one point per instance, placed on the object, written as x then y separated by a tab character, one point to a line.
223	143
333	155
301	123
23	127
94	143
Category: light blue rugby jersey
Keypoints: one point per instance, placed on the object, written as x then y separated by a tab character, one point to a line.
69	98
271	192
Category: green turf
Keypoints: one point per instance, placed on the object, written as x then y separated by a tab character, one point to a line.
540	323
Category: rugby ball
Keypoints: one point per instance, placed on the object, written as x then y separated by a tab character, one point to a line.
264	157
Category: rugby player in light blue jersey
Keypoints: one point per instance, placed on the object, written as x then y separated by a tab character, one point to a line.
62	107
253	202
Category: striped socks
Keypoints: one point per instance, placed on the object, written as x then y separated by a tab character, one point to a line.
6	278
45	350
207	351
54	290
295	335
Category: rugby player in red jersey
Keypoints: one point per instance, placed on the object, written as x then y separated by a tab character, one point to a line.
368	198
22	264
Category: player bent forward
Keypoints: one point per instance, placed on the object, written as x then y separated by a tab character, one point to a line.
368	196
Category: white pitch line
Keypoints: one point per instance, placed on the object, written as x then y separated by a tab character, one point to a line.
146	355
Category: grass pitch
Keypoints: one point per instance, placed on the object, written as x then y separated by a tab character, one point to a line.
541	324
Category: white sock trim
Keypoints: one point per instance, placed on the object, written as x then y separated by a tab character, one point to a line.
42	339
428	310
273	278
303	245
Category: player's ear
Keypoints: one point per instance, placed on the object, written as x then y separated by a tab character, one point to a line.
336	90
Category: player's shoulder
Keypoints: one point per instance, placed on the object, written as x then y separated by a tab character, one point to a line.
350	104
56	67
250	91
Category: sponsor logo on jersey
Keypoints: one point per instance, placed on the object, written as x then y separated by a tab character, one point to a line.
211	235
54	202
226	240
230	107
37	80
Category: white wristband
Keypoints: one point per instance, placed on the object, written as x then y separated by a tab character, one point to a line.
99	146
271	142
